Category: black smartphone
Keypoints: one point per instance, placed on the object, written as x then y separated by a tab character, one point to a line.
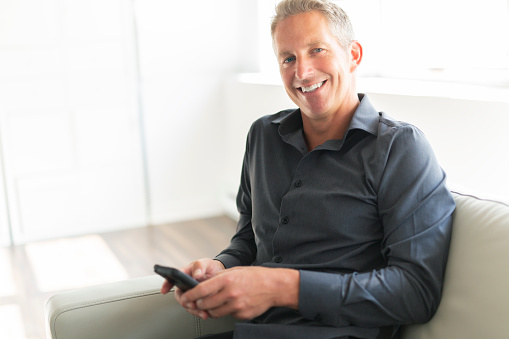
176	277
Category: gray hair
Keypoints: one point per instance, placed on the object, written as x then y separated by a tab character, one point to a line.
339	23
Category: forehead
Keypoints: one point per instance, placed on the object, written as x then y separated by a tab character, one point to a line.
302	29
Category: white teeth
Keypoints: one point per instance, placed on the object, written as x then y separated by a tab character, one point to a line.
312	88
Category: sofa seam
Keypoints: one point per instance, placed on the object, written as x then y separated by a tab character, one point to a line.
480	199
197	325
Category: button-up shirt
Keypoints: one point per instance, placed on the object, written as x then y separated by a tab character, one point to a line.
365	219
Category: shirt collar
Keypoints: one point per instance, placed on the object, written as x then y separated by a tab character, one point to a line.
365	118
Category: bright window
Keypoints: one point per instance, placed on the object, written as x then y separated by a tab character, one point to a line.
456	40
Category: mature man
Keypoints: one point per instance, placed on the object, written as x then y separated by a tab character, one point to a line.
345	218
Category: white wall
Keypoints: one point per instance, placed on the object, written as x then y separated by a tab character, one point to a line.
187	49
73	108
68	119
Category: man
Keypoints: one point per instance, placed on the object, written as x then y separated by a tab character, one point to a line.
345	218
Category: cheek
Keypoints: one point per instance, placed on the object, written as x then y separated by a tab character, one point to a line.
285	75
287	79
332	67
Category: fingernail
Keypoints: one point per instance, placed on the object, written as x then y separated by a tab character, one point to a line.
190	306
197	273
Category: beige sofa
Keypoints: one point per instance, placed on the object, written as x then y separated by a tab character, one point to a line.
475	301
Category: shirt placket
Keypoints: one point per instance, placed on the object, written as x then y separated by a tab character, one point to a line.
290	207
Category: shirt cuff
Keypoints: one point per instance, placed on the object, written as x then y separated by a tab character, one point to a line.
227	260
320	297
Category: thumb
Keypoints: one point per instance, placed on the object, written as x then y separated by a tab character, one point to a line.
198	270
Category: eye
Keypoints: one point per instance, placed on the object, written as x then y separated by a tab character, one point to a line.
318	50
288	60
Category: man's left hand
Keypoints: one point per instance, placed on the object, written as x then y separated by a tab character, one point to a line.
243	292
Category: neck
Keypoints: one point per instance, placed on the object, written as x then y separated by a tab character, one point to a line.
317	132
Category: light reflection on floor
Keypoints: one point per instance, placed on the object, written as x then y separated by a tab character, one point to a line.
72	263
11	323
7	285
57	265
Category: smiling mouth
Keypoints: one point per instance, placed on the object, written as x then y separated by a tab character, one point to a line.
312	88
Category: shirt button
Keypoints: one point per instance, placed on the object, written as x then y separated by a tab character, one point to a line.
298	183
285	220
278	259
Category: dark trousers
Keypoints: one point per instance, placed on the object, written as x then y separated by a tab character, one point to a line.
223	335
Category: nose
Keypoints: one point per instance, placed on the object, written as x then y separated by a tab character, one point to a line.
304	68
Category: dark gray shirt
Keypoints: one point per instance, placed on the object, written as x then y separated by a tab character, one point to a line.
365	219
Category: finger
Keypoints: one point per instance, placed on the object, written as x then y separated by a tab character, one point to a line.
226	309
203	314
195	269
222	304
166	287
219	312
184	302
178	296
203	290
200	313
212	301
190	306
198	270
196	312
239	313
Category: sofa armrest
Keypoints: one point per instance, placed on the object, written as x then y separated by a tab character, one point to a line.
126	309
475	300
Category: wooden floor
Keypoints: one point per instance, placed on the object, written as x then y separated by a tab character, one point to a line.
40	270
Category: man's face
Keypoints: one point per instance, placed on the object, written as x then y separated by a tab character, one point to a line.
317	72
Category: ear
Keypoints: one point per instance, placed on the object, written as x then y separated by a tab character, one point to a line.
355	55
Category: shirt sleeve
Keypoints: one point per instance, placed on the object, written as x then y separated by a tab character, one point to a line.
415	208
242	248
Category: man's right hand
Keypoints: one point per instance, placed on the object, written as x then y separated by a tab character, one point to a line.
200	270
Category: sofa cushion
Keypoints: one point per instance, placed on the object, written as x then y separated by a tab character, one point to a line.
475	301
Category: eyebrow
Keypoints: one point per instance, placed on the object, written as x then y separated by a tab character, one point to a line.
311	44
